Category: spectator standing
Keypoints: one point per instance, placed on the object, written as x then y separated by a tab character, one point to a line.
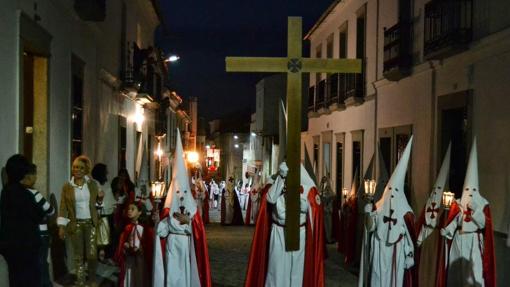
78	218
22	210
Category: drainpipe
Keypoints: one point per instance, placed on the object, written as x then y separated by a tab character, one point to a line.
434	121
376	75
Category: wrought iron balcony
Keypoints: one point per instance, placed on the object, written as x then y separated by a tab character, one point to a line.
142	72
311	99
355	85
321	96
448	27
397	52
90	10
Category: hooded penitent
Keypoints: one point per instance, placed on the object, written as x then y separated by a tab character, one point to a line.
393	204
433	205
470	236
179	198
187	256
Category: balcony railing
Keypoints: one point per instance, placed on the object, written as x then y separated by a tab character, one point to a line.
335	90
397	56
311	99
321	100
141	72
448	27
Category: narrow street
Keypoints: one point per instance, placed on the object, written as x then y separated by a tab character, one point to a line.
229	248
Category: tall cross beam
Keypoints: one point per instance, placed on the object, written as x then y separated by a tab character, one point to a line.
294	65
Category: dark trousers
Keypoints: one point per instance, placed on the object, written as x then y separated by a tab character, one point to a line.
24	267
43	261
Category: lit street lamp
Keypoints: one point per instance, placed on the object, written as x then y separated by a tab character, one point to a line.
370	185
448	198
172	58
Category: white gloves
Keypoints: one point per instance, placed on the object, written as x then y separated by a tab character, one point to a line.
283	169
368	208
409	262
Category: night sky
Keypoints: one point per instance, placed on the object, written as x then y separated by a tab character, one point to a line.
204	32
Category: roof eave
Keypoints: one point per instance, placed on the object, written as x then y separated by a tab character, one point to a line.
321	19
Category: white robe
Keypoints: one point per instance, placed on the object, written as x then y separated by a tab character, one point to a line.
181	265
381	255
465	264
285	269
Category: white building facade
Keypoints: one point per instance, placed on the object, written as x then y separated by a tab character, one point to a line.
81	77
435	69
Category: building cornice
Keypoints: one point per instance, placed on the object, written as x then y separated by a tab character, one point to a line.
323	17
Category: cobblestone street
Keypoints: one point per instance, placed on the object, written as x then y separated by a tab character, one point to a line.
229	248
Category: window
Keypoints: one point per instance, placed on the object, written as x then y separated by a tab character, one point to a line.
318	55
357	155
393	141
343	42
76	107
360	34
359	79
316	142
339	178
329	47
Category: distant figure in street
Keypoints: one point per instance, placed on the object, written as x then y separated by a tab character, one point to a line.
215	193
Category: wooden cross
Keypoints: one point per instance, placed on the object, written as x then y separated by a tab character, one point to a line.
294	65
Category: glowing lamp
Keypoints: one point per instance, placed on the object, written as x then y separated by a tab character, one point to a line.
192	157
370	185
448	198
158	190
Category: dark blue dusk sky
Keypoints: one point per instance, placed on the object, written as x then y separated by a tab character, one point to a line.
204	32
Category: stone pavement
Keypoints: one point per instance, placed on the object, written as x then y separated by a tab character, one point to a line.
229	248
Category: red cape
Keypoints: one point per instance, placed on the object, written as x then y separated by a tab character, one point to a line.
488	258
347	232
313	274
147	247
205	208
411	274
201	250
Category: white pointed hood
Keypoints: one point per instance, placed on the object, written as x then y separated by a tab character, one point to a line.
435	199
471	188
179	194
306	181
393	205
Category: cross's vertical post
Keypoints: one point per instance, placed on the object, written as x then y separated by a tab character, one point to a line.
294	90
